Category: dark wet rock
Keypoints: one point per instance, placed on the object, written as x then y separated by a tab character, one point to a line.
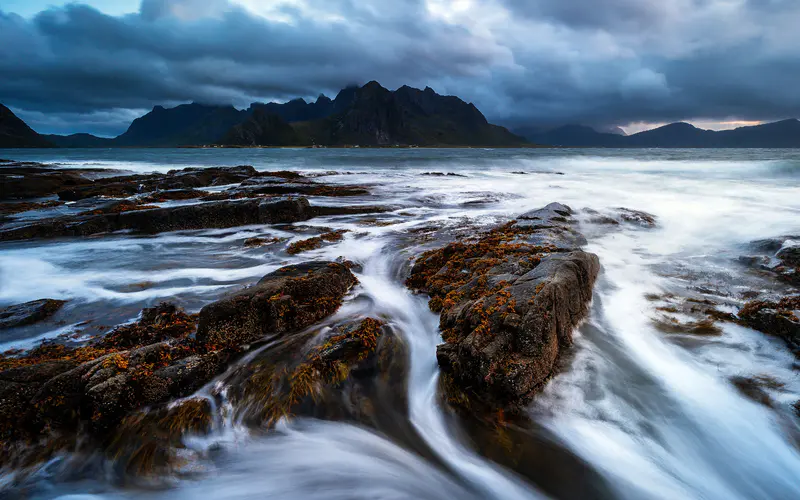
339	374
778	256
289	299
258	242
29	312
315	242
789	254
620	216
174	195
755	388
25	206
24	181
55	390
305	189
443	174
775	318
187	178
118	206
509	302
218	215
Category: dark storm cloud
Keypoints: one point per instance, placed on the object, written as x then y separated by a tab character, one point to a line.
79	60
535	61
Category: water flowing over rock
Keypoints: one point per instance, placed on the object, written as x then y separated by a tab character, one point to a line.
509	301
64	391
289	299
775	318
28	313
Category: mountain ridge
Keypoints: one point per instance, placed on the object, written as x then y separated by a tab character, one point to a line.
779	134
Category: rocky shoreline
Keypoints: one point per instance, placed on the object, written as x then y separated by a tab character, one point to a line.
509	299
504	325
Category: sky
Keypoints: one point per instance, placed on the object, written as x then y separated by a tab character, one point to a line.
93	66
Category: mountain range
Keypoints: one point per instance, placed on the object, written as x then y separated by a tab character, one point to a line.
781	134
370	115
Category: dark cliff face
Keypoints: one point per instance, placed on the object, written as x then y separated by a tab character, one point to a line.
15	133
262	129
368	116
379	117
184	125
297	110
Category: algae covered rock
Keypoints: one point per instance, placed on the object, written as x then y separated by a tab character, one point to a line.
775	318
289	299
509	301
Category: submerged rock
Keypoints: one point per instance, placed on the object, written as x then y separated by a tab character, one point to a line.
509	302
29	312
619	216
217	215
779	256
20	181
289	299
775	318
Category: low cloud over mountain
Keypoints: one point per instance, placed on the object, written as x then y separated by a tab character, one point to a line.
602	62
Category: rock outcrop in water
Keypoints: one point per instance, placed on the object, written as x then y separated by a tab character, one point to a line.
289	299
509	301
778	256
129	203
28	313
57	395
775	318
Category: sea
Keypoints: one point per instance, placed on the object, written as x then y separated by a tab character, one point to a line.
647	413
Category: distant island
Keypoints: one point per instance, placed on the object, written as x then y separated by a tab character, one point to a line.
373	116
369	116
781	134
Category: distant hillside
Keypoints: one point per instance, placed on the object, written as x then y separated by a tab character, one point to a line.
15	133
782	134
80	141
377	116
262	129
184	125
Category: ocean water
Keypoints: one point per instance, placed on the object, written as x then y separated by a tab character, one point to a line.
650	414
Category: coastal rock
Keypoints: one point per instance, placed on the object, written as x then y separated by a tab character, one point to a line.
509	302
29	312
775	318
222	214
21	181
779	256
289	299
619	216
789	254
334	373
187	178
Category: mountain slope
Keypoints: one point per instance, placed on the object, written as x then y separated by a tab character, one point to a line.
782	134
79	141
185	125
376	116
15	133
297	110
262	129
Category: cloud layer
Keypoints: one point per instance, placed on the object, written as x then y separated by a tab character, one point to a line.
74	68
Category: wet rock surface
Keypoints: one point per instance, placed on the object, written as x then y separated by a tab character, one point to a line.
254	198
509	301
289	299
779	256
779	318
28	313
58	395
